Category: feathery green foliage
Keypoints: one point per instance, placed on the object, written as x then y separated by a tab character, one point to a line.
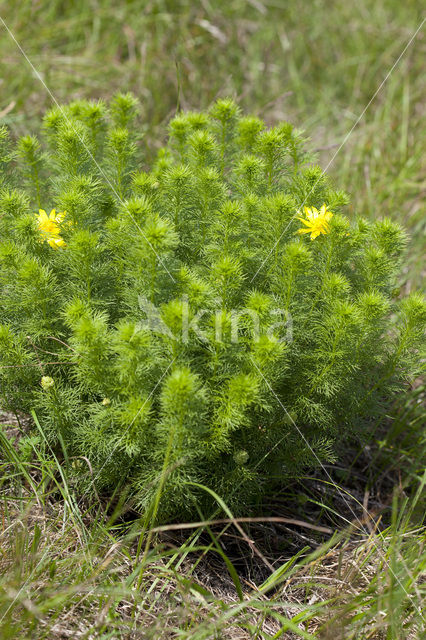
184	332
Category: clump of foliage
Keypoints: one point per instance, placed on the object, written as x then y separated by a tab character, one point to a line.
193	323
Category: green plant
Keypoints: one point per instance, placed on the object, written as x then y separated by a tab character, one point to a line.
172	326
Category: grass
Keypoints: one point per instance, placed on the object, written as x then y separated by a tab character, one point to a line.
72	569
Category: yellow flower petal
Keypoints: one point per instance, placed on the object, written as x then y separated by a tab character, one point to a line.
55	243
42	216
308	223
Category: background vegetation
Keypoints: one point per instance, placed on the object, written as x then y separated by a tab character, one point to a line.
316	63
68	571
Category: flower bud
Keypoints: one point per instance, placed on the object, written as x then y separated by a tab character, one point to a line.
241	457
47	382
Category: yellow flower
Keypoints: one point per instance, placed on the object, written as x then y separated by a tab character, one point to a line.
47	223
316	222
49	227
